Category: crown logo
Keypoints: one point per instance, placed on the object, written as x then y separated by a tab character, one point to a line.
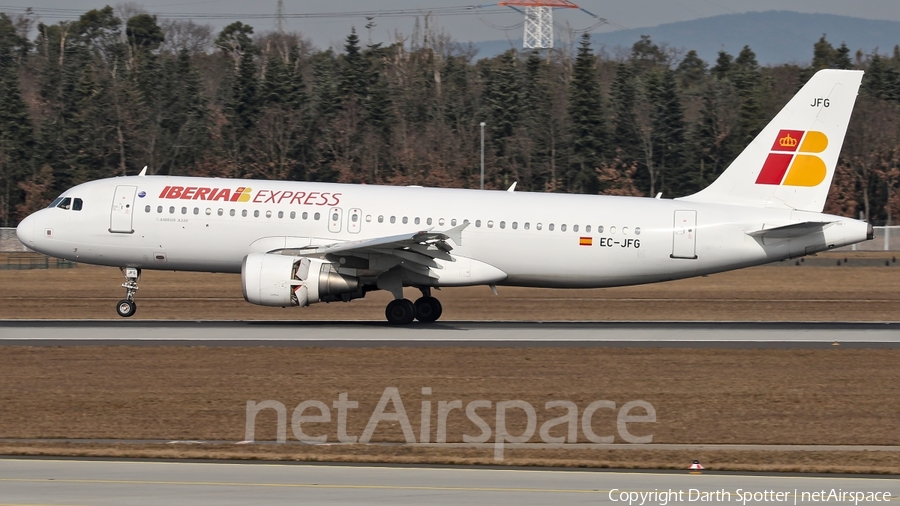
787	141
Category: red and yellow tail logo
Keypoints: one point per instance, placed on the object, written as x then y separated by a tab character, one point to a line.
802	169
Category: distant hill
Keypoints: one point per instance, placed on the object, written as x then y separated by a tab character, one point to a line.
775	36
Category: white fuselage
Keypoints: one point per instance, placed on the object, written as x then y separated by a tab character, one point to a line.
535	239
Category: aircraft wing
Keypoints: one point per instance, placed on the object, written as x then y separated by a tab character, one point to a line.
415	251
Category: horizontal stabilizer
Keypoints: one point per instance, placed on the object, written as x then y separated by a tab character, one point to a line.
790	231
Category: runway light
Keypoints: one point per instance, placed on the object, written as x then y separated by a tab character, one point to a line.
696	467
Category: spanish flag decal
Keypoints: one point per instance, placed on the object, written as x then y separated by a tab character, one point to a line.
586	241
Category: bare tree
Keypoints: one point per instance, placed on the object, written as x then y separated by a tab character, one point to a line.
180	34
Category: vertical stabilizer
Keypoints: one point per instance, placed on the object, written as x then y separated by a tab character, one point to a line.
791	163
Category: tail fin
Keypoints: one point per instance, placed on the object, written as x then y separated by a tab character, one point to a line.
790	164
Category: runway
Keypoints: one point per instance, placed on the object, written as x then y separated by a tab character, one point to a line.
517	334
140	483
315	333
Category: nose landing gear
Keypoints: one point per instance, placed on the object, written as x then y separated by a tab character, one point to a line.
127	307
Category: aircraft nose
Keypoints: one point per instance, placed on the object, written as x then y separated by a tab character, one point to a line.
25	231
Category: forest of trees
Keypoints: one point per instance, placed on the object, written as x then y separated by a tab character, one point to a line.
114	91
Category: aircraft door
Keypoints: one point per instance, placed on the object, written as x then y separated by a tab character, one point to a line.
684	241
334	219
354	221
120	219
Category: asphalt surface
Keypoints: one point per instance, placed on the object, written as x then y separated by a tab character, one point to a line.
516	334
139	483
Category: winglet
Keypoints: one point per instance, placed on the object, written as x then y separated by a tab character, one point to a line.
513	187
143	171
455	233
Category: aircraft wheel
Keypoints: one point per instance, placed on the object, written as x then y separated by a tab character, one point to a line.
126	308
428	309
400	312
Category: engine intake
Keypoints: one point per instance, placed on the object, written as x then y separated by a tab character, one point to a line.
280	281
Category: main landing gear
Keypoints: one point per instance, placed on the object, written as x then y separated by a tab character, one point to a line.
426	309
127	307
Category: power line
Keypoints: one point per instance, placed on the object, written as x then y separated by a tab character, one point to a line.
62	13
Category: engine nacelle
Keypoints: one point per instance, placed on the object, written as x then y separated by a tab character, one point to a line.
281	281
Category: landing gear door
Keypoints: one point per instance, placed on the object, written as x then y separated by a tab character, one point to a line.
120	219
684	240
354	222
334	219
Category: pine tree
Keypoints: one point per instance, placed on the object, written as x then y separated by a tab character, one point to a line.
355	74
16	132
588	126
668	134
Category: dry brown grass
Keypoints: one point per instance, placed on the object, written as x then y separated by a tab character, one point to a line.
768	293
830	397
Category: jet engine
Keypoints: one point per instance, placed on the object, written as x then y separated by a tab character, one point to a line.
278	280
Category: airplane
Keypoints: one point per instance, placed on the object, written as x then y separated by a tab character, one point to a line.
301	243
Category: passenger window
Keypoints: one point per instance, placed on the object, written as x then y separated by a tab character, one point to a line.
562	228
478	223
317	216
527	226
221	211
393	219
637	230
550	227
490	223
428	221
280	214
293	214
146	209
76	205
600	229
268	214
65	204
171	209
208	211
587	229
502	224
405	220
381	218
196	211
304	215
417	221
335	217
612	230
256	213
515	225
624	230
574	228
231	212
538	226
244	213
453	222
354	218
159	209
441	222
183	210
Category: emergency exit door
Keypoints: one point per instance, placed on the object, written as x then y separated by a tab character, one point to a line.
684	240
122	214
334	219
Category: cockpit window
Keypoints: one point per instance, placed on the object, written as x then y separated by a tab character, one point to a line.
66	203
55	202
76	205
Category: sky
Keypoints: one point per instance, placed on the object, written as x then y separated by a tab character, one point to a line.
476	25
